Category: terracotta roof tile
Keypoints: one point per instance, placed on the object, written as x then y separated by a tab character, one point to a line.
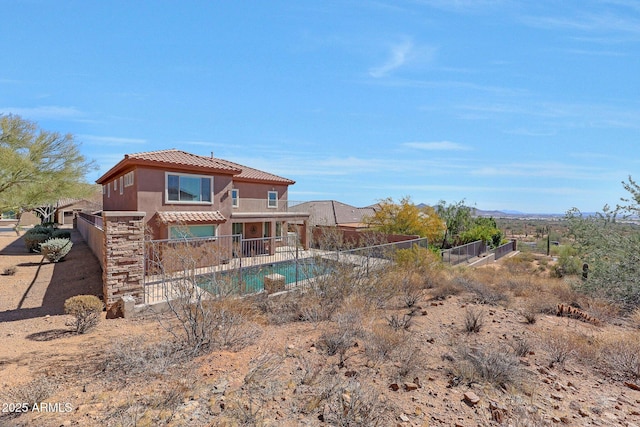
255	174
182	158
191	216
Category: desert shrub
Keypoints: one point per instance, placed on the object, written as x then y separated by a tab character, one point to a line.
482	293
446	288
61	234
33	240
10	271
350	321
621	356
408	358
353	404
521	346
55	249
135	356
400	323
309	368
40	229
86	311
233	324
518	264
379	288
495	365
568	262
283	308
411	290
421	260
381	341
634	318
530	312
560	346
473	320
34	391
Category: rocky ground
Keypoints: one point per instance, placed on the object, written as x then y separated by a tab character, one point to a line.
467	348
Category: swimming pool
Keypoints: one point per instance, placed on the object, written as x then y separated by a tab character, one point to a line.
252	278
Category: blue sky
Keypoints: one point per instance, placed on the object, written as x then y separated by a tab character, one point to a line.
529	106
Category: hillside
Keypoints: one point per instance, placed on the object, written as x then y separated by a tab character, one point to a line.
426	347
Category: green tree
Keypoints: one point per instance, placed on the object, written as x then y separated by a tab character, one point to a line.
611	249
38	167
484	229
406	218
457	218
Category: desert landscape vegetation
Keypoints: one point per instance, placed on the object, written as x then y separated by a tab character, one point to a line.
418	343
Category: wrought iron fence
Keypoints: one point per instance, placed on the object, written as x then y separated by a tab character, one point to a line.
503	250
463	253
234	265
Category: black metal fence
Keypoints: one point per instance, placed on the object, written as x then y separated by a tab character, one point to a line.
463	253
505	249
234	265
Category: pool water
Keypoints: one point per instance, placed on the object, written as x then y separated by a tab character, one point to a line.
253	277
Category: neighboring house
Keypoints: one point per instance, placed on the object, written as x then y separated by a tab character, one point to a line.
67	209
332	213
326	215
187	194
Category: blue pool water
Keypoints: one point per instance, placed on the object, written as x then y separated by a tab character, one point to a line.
253	277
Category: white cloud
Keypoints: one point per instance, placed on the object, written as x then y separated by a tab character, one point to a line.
438	146
112	140
397	58
44	112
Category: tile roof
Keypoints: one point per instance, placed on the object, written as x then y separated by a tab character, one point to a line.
332	212
252	174
191	216
182	160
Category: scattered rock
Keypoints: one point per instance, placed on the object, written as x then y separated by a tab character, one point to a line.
632	386
557	396
410	386
471	398
394	387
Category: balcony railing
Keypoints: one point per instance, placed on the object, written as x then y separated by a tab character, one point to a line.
245	205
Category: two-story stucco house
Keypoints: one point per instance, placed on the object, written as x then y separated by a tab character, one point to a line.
202	196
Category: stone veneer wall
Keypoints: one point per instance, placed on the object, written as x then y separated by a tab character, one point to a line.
123	272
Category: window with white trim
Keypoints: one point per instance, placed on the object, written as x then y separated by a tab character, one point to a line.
183	188
235	197
115	184
272	199
121	186
128	179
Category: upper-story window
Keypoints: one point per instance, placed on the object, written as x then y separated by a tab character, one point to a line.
235	197
121	185
128	179
183	188
272	199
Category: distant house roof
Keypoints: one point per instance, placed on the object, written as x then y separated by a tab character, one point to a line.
191	216
181	160
67	202
332	212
